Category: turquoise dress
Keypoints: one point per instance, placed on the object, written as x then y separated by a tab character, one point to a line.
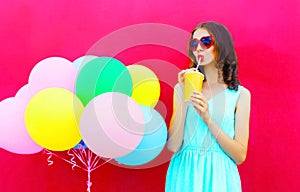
201	165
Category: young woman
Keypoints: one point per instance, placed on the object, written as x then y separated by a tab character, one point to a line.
209	135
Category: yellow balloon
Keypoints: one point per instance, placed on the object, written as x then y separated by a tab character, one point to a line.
146	87
52	119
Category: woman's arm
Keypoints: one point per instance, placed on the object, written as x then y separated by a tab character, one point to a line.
236	148
175	132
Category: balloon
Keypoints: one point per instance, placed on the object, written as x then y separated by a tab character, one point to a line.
112	125
80	145
13	134
101	75
153	142
81	61
52	72
146	87
52	119
24	93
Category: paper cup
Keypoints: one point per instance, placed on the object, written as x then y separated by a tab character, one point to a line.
193	82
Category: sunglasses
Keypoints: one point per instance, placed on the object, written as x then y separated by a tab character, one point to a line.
205	43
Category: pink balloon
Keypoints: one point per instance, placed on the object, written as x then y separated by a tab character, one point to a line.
52	72
24	93
112	125
13	134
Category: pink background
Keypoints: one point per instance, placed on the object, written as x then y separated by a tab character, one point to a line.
266	35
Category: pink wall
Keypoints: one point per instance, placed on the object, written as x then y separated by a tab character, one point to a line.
266	38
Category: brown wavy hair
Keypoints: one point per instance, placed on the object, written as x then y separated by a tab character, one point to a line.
226	59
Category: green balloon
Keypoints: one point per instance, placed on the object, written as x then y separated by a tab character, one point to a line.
101	75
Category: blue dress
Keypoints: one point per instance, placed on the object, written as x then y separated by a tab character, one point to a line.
201	165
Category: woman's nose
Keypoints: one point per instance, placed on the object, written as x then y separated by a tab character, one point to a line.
199	48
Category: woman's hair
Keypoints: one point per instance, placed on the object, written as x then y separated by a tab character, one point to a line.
226	58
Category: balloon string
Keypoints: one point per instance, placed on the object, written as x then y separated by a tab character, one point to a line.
101	164
80	156
53	154
72	159
89	183
82	152
95	161
49	160
86	157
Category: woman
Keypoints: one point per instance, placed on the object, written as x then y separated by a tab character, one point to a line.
209	135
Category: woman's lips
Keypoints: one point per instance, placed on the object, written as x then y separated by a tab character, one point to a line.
200	57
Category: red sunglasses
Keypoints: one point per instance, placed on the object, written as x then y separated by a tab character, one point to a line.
205	43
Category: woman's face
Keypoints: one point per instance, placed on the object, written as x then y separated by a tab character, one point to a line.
203	54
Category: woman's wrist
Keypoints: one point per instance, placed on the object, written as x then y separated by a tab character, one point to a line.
207	119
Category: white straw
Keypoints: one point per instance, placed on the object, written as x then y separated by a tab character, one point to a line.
198	64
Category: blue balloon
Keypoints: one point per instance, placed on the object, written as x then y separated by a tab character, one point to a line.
80	145
153	141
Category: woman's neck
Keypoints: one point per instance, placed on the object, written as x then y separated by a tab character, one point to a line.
211	74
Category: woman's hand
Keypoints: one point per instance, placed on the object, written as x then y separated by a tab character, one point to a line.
182	73
201	105
181	77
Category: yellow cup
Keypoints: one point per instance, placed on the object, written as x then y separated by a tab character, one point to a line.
193	81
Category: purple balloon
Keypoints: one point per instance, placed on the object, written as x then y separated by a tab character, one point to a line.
13	133
24	93
53	72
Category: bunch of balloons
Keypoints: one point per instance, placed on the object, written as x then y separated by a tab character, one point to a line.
97	101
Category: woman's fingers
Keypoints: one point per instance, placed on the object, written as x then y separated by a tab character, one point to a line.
181	76
201	105
199	108
182	73
199	102
198	95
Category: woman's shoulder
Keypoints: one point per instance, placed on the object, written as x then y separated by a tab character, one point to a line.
245	95
244	91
